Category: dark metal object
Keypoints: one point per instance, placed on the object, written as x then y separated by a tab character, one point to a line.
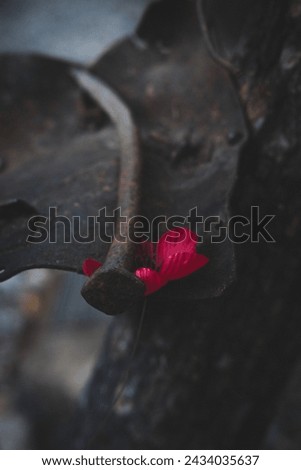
16	207
192	129
186	108
116	274
52	159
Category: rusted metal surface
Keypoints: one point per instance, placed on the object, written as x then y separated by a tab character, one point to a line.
192	130
116	274
53	158
191	126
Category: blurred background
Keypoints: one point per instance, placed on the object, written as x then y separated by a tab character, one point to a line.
49	336
78	30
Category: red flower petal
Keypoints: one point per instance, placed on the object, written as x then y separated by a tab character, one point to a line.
89	266
182	264
151	279
176	258
177	240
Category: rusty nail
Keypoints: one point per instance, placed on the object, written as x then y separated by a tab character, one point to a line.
114	288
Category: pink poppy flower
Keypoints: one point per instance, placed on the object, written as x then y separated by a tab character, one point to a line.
172	258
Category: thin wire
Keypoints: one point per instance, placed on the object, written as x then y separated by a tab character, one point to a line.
134	350
125	375
204	28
